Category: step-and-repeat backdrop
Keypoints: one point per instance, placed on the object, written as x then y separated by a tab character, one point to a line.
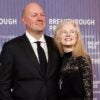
86	12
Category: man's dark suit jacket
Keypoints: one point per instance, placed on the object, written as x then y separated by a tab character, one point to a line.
20	70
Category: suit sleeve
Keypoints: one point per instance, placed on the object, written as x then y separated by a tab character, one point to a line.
86	71
6	73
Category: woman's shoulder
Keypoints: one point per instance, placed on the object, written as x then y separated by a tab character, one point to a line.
83	60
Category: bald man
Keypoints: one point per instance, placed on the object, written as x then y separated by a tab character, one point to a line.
21	75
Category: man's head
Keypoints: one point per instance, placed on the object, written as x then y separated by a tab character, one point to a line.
33	18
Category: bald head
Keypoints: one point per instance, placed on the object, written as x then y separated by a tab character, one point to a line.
29	6
33	18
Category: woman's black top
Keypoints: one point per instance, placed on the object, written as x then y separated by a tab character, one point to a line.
76	78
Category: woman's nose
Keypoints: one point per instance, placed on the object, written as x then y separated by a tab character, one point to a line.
67	34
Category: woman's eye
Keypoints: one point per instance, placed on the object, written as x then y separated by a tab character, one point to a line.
72	32
64	32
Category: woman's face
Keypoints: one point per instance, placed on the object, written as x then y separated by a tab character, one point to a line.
68	35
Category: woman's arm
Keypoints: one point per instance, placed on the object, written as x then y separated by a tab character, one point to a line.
87	75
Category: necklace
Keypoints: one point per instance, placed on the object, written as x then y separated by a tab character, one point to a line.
69	67
63	70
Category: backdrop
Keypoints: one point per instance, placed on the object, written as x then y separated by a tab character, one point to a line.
85	11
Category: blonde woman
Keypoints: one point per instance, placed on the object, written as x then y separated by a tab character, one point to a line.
76	69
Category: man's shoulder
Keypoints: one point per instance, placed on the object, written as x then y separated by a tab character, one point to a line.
48	38
14	41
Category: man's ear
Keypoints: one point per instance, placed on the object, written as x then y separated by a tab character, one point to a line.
23	20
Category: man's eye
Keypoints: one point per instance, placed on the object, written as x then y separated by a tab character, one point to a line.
72	32
42	15
33	15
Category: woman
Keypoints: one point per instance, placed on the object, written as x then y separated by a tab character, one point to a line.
76	69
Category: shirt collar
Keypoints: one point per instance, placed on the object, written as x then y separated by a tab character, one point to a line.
32	39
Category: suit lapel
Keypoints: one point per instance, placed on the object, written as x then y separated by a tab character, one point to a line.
32	57
50	54
30	52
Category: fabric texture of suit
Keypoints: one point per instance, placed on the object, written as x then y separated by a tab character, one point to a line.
20	70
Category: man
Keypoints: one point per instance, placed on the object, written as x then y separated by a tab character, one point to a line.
21	74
